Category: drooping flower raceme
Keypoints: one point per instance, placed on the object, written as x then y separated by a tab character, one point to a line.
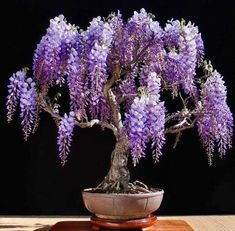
146	121
22	90
185	50
14	92
136	121
215	123
50	58
28	106
188	56
76	78
65	136
98	38
200	49
142	32
156	115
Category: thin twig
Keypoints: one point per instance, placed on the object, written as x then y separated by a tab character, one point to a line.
126	96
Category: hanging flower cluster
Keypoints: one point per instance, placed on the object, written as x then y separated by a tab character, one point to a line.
98	38
22	90
76	70
215	124
14	93
117	73
146	120
65	136
184	50
50	58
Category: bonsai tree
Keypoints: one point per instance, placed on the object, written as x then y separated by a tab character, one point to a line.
120	75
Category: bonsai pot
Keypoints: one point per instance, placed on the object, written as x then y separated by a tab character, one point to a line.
121	206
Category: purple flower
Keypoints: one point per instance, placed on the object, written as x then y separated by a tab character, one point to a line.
143	24
156	126
172	34
146	121
76	72
22	90
173	71
154	85
14	93
115	56
28	106
136	121
98	38
156	115
215	123
188	56
50	58
65	136
185	49
141	34
200	49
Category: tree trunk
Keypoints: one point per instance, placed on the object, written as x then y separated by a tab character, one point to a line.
118	176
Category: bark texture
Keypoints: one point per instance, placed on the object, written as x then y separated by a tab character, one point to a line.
118	176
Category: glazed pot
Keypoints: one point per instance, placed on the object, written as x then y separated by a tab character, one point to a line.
122	206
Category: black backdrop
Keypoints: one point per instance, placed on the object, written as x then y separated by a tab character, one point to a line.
32	179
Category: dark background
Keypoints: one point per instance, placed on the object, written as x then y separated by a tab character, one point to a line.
32	179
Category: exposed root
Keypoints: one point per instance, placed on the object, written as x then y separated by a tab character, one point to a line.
136	187
139	187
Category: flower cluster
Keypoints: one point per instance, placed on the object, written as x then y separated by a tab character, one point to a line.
185	50
98	38
14	92
76	79
146	120
136	124
22	90
50	58
65	136
215	123
28	106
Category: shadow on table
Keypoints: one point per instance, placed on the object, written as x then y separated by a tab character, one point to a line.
22	227
45	228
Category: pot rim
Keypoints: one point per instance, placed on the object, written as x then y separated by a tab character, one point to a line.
154	193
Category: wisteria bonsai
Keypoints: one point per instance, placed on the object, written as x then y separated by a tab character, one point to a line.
117	73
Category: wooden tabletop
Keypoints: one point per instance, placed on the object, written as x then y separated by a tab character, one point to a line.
33	223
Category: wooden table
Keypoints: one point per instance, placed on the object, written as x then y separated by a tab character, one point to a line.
33	223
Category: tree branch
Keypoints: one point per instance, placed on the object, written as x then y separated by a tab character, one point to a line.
111	99
180	127
178	114
46	107
125	97
93	122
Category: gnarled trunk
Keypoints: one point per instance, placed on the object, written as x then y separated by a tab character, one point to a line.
118	176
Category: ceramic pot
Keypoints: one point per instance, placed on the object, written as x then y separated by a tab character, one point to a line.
122	206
